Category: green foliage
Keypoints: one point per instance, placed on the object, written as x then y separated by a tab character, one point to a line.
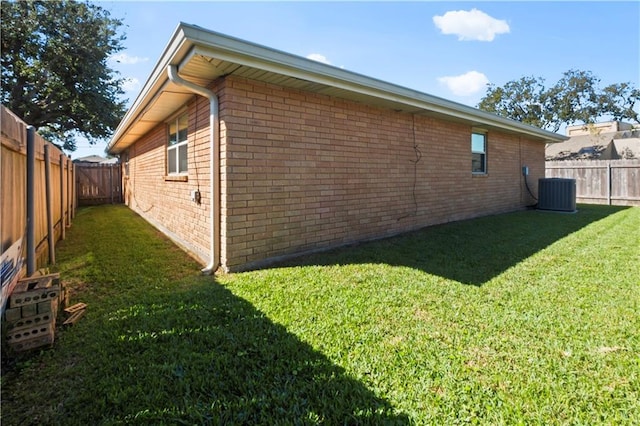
55	74
575	98
520	100
619	100
524	318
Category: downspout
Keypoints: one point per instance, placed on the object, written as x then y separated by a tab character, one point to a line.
214	138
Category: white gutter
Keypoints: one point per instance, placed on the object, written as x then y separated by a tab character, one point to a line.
214	161
190	40
226	48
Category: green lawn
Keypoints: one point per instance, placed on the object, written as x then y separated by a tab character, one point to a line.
524	318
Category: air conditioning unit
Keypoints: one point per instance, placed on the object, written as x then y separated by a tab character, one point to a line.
557	194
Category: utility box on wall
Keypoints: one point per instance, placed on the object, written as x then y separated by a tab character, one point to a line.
557	194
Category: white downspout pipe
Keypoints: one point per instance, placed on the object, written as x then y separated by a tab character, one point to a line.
214	138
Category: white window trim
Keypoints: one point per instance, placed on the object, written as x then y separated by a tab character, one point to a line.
484	153
176	120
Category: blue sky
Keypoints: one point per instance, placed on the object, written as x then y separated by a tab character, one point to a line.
448	49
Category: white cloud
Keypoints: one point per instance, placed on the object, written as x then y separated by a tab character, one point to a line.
126	59
318	57
471	25
466	84
131	84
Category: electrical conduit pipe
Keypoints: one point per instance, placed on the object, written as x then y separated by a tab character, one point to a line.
214	137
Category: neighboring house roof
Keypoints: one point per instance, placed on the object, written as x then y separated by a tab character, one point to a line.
601	145
90	159
627	148
202	56
95	159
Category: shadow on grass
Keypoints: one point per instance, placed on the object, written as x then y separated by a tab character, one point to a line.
161	345
205	356
210	356
470	252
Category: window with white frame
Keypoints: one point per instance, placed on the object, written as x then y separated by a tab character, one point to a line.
478	153
177	146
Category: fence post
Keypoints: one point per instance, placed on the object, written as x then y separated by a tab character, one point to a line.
74	190
111	182
51	241
62	193
609	182
69	194
31	206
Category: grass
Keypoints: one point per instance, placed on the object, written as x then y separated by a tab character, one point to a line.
524	318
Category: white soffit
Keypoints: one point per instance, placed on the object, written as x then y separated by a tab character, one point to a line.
203	56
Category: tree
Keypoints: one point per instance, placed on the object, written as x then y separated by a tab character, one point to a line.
55	74
575	98
520	100
620	100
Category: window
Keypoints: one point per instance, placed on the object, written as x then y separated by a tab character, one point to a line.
177	147
478	153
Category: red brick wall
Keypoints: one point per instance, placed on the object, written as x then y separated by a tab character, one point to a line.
167	203
302	171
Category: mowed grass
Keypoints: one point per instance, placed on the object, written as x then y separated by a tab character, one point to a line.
523	318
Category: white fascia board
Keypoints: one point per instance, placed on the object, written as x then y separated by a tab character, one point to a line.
219	46
222	47
154	84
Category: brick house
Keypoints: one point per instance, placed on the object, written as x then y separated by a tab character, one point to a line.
243	155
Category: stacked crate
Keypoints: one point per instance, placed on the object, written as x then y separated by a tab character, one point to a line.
32	311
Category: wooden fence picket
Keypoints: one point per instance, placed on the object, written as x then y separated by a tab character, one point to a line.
52	213
612	182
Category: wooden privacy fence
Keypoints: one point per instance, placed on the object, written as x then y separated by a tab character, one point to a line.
37	200
612	182
98	184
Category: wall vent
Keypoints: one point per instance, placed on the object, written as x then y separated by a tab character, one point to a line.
557	194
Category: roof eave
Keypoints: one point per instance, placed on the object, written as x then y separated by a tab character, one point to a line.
219	46
252	54
178	44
